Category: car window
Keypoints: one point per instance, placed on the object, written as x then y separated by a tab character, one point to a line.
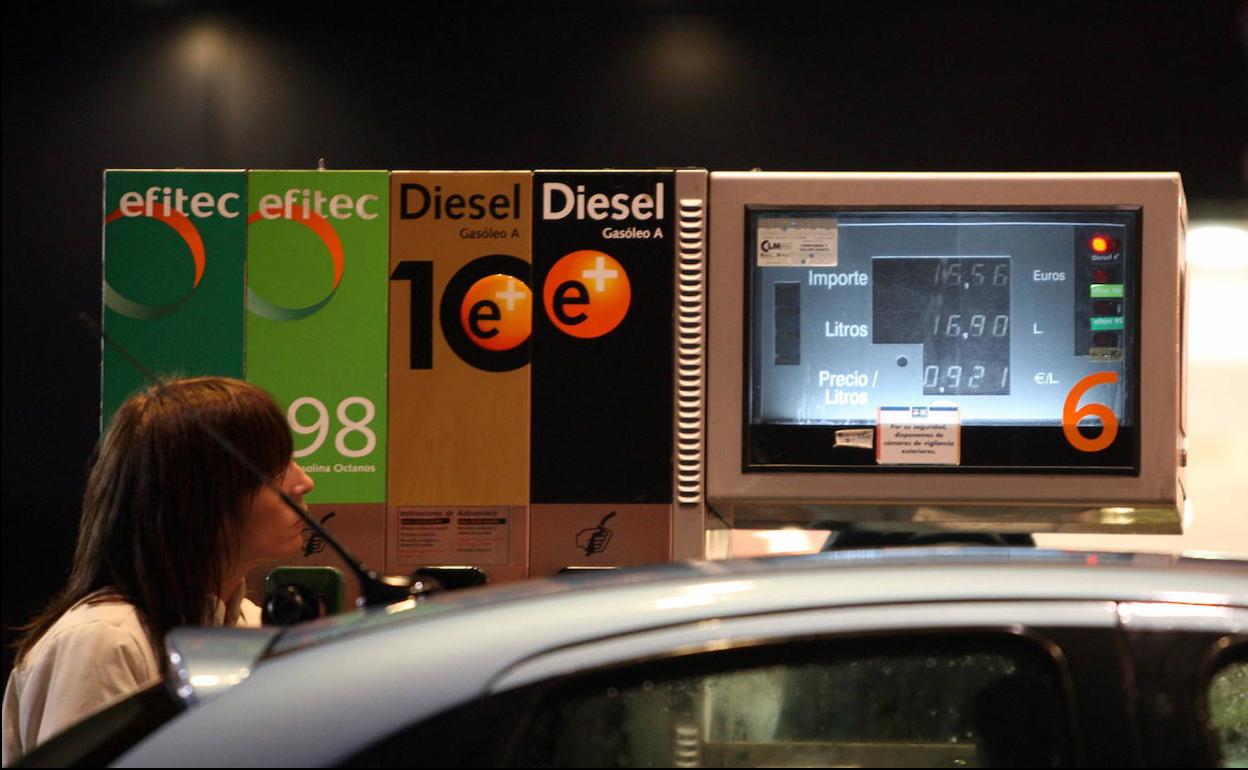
1189	692
947	700
918	701
1228	711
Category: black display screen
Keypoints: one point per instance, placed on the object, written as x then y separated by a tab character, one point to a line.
957	309
1014	321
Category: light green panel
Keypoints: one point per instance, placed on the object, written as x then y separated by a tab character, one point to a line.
317	290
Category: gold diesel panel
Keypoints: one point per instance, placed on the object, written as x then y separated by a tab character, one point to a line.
461	309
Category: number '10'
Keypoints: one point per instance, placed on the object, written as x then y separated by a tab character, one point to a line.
419	276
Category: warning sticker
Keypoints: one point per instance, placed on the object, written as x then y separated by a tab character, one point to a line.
857	438
453	536
919	435
787	242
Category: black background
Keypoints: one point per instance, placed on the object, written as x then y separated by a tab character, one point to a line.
602	407
725	85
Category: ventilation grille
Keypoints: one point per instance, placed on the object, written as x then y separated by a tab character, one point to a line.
690	349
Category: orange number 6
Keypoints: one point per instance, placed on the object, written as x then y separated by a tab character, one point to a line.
1071	416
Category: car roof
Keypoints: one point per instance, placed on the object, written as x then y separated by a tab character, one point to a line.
399	664
868	576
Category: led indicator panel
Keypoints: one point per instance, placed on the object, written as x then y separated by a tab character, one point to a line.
1101	244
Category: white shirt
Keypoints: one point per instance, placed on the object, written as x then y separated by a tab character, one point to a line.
92	657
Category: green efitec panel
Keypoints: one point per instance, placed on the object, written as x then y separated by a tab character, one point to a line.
317	290
174	248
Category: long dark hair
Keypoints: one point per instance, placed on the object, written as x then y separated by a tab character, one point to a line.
164	504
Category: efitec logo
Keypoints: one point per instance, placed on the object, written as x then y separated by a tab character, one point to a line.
160	202
312	209
587	294
169	205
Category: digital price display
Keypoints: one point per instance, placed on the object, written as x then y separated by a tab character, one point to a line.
1006	321
957	309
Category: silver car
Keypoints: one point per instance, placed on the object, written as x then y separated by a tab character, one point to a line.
904	657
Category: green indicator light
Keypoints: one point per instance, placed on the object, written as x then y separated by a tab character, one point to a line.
1106	290
1106	323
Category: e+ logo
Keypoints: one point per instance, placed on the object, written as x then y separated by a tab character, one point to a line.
587	294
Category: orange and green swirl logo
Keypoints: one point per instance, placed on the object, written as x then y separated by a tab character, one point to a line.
116	301
333	245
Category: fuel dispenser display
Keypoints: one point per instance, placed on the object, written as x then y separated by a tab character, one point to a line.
980	351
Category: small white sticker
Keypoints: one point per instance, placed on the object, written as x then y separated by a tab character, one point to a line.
857	438
786	242
919	435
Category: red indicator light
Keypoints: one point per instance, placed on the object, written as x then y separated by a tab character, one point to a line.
1101	244
1100	276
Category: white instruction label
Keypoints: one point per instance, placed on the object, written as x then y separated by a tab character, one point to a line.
919	435
788	242
435	535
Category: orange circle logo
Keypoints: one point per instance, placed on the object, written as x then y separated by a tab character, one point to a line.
587	294
497	312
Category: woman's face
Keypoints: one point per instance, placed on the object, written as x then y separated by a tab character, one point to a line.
271	530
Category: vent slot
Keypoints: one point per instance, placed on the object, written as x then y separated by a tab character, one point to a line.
690	349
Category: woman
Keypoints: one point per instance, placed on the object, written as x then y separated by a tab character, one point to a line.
170	525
